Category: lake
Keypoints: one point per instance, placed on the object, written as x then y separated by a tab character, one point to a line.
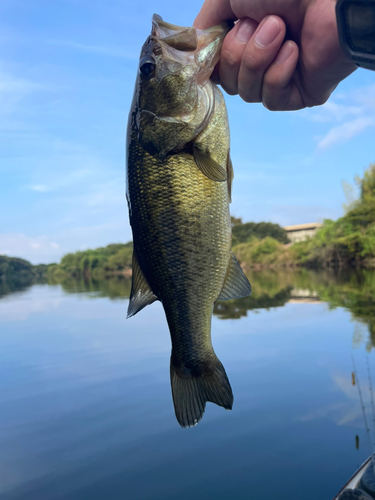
86	406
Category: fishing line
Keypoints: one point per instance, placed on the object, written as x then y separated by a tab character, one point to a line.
371	395
364	414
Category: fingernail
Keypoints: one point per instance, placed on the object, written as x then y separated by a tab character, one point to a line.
284	53
268	32
246	30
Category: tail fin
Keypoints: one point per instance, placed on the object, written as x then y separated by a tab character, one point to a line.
191	392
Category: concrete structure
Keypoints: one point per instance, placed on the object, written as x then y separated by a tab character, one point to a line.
302	232
301	296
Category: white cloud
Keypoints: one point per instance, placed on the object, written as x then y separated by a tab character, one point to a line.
328	411
344	132
13	310
86	231
350	113
365	96
299	213
10	84
40	187
343	411
13	89
58	181
333	111
35	249
104	50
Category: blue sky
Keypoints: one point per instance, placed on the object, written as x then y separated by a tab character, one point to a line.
67	71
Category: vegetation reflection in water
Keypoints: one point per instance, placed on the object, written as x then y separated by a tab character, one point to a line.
86	392
351	289
17	283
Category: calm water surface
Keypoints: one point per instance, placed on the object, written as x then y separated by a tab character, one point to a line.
86	407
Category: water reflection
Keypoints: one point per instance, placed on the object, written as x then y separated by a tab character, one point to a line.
351	289
275	288
235	309
269	289
15	283
87	393
114	288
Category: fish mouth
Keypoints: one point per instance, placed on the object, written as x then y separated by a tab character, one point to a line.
168	29
158	20
204	44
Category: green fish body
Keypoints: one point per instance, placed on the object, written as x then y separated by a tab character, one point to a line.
179	178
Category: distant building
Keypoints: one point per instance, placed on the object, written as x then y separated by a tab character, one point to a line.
302	232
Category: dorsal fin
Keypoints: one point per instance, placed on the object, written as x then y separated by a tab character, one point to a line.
141	294
208	166
236	284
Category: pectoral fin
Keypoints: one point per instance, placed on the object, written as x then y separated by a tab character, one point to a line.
208	166
141	294
236	284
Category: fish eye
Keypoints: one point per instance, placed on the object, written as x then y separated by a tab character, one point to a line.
147	66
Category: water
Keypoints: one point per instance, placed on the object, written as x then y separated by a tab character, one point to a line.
86	409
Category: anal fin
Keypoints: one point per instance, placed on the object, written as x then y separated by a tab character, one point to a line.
236	284
141	294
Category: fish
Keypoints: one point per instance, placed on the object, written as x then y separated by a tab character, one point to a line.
179	180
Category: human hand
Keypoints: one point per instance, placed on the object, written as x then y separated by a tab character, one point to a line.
260	65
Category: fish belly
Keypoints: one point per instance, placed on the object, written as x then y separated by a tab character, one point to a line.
181	229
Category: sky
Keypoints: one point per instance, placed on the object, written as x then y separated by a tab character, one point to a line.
67	73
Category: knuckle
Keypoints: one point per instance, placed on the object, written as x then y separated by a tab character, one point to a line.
272	105
245	99
318	100
231	52
275	96
251	61
229	79
275	81
230	57
248	94
231	91
272	85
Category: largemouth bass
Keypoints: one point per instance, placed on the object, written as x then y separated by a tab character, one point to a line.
179	176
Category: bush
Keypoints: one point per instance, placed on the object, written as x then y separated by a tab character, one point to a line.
265	252
99	262
242	233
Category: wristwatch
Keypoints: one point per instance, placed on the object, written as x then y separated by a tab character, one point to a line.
356	27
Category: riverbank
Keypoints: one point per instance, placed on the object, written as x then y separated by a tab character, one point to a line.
14	266
348	242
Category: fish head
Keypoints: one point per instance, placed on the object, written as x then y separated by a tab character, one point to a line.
175	65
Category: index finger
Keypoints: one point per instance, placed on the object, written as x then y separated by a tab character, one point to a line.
214	12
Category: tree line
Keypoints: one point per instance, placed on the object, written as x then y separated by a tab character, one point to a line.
117	258
11	266
346	242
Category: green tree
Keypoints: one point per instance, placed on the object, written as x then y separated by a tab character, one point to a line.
242	233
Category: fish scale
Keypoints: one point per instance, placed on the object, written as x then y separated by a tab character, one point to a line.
178	190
